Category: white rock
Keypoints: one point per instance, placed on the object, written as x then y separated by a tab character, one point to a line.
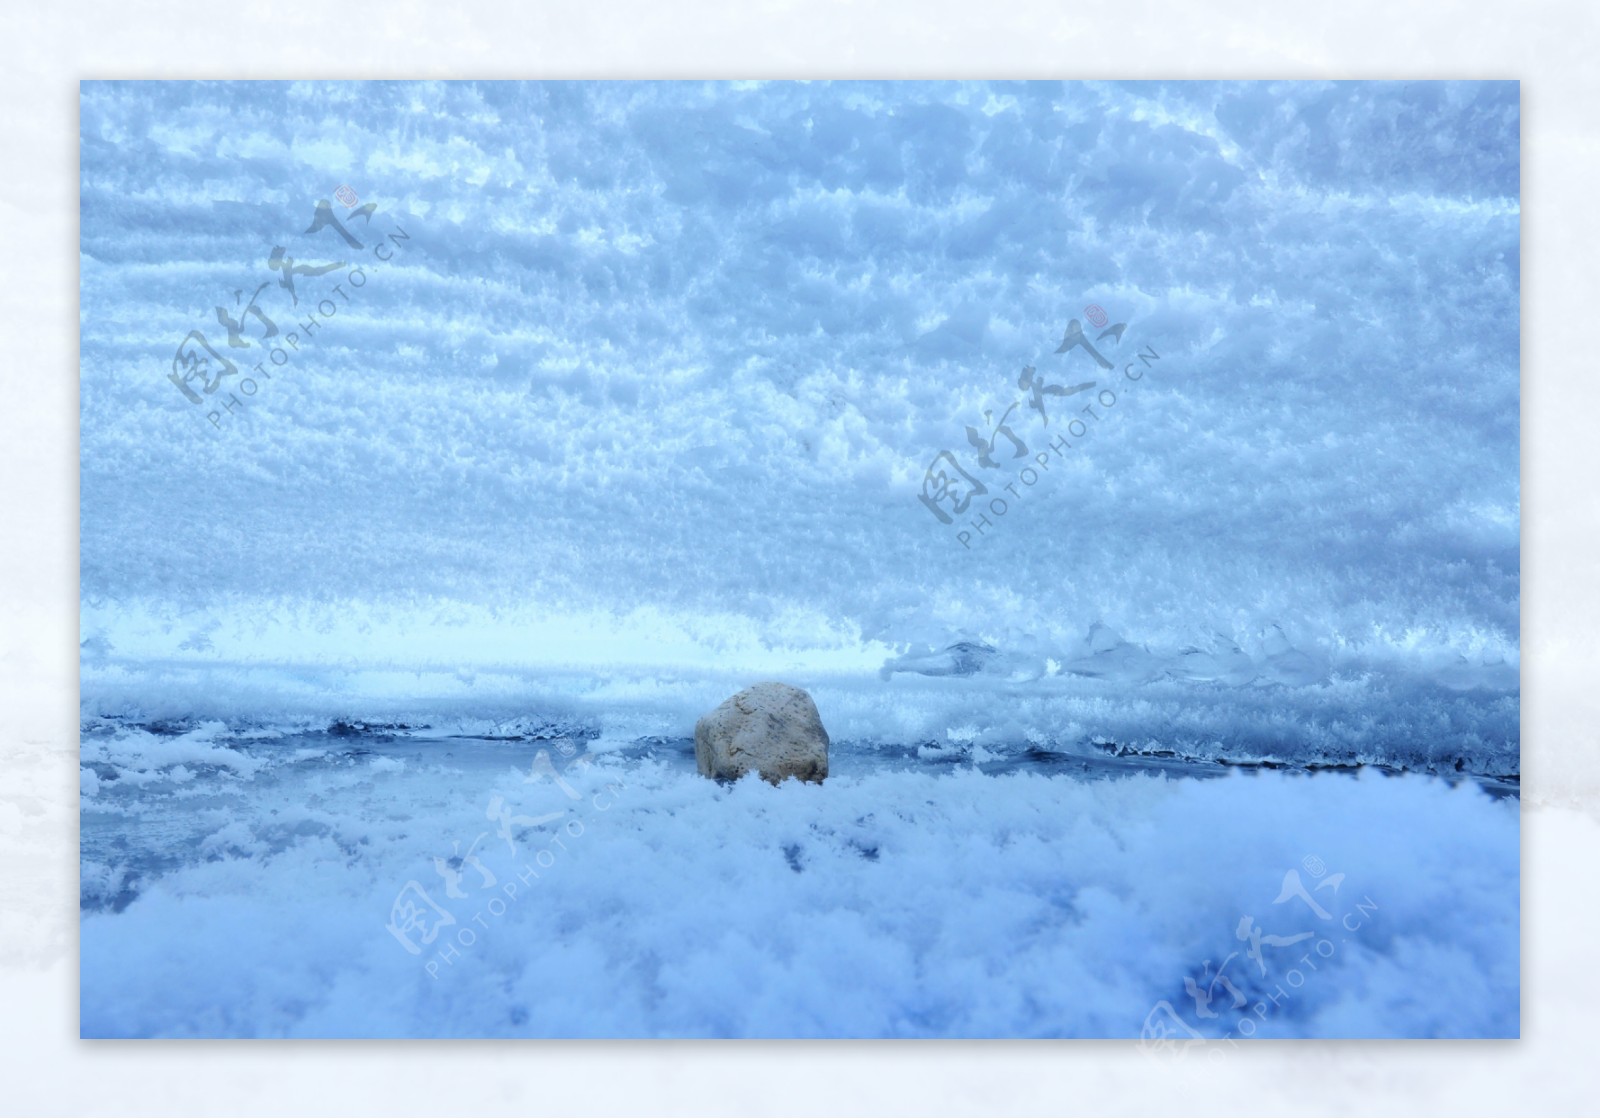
771	728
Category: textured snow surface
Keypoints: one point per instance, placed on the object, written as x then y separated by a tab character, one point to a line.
652	388
605	401
226	897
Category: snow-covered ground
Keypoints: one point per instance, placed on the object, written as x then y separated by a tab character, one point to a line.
1065	441
367	885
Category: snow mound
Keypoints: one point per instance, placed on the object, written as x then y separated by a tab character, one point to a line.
947	904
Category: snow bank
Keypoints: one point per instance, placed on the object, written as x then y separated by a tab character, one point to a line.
895	904
651	389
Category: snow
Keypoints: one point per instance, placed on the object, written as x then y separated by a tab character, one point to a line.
888	902
655	381
627	395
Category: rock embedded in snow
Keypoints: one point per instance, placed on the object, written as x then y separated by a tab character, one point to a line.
771	728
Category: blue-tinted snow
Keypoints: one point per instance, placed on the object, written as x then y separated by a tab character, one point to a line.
633	406
259	886
656	381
